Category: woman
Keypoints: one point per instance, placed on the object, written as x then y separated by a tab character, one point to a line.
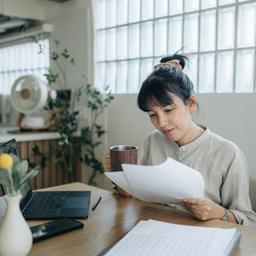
167	96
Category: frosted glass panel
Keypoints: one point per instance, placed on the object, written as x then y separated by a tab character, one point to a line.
134	41
134	10
122	6
206	74
122	43
161	8
191	5
175	7
245	71
208	24
223	2
208	4
191	33
225	64
111	44
156	61
121	77
160	37
22	59
133	76
191	69
99	51
147	9
111	75
146	67
140	32
100	13
110	8
99	78
246	25
175	34
146	44
226	28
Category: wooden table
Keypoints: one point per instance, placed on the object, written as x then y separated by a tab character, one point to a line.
116	215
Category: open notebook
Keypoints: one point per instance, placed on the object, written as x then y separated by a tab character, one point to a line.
150	238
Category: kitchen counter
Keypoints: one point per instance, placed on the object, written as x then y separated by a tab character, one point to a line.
8	134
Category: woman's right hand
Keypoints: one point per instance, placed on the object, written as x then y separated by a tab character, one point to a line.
106	162
107	168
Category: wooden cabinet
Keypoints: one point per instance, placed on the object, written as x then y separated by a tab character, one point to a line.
51	174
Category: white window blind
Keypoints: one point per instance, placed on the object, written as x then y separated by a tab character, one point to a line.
22	59
217	35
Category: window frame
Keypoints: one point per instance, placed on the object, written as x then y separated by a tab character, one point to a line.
216	52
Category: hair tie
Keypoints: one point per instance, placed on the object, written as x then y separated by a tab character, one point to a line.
170	63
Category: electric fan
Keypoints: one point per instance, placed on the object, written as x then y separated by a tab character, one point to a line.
29	95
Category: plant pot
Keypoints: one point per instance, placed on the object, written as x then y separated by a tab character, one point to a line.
15	234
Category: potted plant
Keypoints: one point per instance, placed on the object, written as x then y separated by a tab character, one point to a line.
75	145
13	175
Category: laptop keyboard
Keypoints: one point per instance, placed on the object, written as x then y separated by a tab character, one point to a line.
46	204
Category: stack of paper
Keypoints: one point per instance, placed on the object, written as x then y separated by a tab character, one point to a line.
169	182
159	238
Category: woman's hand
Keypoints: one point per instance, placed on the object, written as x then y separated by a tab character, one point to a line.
106	162
107	168
204	209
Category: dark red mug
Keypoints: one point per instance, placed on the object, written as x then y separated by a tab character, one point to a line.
121	154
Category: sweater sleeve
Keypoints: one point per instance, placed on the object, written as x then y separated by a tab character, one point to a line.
235	191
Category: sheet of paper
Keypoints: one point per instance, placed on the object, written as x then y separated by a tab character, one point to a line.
120	179
159	238
168	182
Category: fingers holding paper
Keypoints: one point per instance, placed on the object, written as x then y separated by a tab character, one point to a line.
107	168
204	208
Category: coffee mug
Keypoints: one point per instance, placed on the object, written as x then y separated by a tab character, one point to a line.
121	154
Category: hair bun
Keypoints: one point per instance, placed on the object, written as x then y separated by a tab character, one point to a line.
170	63
175	57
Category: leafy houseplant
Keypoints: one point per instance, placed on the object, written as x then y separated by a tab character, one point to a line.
75	145
92	133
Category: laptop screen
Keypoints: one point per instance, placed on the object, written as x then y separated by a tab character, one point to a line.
11	146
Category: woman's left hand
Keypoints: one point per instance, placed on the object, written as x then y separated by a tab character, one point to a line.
204	208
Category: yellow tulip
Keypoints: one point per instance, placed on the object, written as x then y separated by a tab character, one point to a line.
6	161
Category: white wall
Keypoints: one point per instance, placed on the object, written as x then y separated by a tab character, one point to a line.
72	26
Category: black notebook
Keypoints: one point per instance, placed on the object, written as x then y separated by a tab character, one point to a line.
49	204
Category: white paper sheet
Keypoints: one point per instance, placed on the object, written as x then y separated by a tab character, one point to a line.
159	238
168	182
120	179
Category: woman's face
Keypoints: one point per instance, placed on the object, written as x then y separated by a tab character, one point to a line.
174	120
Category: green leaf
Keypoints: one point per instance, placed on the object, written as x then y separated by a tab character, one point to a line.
21	168
29	175
18	172
5	178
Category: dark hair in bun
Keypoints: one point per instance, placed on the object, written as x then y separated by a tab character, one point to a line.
164	81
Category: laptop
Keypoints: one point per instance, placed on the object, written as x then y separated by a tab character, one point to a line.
49	204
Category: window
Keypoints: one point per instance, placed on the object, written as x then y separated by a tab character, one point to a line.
217	35
22	59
